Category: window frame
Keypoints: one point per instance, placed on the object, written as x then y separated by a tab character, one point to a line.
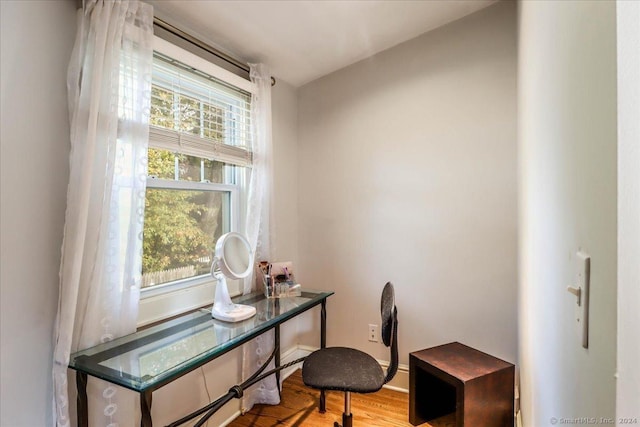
163	301
234	218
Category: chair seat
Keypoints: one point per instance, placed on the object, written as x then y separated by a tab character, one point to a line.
342	369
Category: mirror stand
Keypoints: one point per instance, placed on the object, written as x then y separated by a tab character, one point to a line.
224	309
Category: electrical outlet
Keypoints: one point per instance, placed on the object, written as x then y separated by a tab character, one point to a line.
373	333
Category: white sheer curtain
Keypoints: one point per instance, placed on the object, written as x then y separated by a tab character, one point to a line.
259	230
258	225
109	83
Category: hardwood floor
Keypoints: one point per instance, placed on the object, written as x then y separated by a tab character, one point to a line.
299	408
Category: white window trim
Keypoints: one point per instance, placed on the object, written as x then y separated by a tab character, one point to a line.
163	301
179	54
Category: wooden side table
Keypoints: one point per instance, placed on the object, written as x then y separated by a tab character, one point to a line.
478	387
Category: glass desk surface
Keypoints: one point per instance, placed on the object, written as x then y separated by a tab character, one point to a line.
154	356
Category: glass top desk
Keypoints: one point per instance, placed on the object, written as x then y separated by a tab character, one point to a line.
151	358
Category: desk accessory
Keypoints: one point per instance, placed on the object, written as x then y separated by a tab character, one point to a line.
278	279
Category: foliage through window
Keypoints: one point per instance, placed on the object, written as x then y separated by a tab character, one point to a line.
199	131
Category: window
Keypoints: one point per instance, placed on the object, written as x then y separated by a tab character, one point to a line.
198	158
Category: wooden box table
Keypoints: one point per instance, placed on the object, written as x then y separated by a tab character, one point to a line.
478	387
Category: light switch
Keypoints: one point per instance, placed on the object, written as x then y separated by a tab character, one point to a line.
580	289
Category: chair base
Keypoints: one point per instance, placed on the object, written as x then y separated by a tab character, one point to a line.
347	421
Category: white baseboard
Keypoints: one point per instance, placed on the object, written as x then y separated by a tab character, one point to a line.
231	418
401	381
295	352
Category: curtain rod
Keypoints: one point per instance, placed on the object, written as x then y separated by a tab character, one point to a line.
202	45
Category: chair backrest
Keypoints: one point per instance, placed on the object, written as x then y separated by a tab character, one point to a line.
389	329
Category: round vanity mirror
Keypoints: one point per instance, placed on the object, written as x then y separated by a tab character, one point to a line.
234	253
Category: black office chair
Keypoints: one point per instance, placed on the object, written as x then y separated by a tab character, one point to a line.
350	370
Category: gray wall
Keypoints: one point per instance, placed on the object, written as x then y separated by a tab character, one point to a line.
567	149
37	38
407	173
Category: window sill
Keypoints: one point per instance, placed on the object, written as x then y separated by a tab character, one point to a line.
165	301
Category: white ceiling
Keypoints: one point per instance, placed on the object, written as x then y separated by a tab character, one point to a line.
303	40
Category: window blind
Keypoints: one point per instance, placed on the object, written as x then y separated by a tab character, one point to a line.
196	114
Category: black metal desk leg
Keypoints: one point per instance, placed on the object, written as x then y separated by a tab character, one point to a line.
83	408
323	344
277	356
145	408
323	324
